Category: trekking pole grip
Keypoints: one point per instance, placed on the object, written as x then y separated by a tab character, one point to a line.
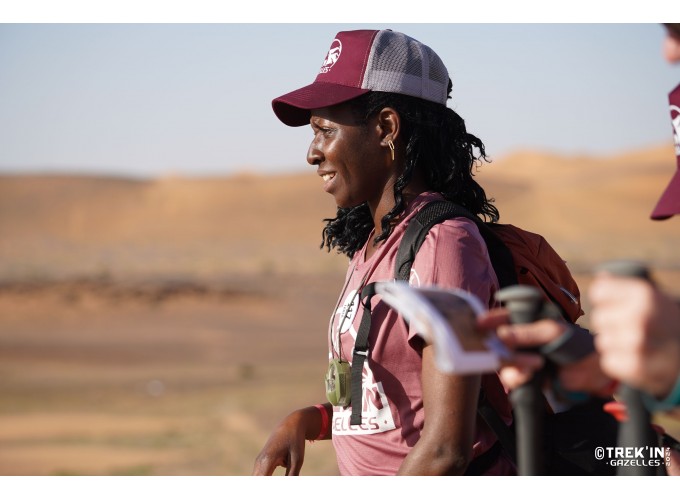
636	431
525	304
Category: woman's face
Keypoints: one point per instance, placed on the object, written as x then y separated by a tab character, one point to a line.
353	165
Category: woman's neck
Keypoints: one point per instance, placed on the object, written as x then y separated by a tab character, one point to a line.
386	204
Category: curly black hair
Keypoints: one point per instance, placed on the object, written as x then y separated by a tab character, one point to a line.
438	144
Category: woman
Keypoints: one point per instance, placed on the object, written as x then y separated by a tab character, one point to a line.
384	145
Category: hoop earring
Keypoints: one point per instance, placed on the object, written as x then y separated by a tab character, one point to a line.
390	144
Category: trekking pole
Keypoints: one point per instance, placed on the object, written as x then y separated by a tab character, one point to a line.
525	304
636	431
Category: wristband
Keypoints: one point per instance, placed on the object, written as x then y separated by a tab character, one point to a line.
572	397
324	422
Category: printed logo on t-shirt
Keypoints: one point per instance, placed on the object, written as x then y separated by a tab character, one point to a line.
347	312
414	279
376	415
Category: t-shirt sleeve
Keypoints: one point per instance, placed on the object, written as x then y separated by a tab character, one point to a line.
454	255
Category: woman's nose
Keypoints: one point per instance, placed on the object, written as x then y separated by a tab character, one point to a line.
314	154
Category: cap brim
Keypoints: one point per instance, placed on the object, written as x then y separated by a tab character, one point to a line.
669	203
293	108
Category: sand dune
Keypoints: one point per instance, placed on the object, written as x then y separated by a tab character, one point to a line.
66	226
60	226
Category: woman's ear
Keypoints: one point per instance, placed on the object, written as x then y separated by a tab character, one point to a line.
389	124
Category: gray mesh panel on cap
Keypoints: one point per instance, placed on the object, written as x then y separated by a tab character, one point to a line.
398	63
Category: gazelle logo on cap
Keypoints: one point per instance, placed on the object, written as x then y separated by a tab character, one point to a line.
675	118
332	56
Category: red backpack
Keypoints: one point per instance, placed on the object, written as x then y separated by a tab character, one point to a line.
518	256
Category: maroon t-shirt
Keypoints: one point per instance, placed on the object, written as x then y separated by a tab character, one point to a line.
452	255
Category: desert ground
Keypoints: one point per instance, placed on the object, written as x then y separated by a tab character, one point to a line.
164	326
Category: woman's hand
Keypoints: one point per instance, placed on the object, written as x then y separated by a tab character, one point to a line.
286	445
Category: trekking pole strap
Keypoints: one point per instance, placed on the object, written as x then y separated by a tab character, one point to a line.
573	345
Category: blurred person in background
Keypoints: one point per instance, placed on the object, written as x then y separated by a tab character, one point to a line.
637	324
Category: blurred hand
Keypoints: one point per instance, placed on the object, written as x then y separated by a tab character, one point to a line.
638	333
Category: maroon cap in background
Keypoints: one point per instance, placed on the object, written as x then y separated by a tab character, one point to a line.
669	203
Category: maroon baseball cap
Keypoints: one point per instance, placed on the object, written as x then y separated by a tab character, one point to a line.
362	61
669	203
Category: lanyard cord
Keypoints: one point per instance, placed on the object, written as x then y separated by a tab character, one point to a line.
337	305
344	316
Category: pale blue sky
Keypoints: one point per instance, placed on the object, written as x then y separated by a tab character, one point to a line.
195	99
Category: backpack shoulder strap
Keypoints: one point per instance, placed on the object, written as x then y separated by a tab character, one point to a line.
439	211
360	354
431	214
